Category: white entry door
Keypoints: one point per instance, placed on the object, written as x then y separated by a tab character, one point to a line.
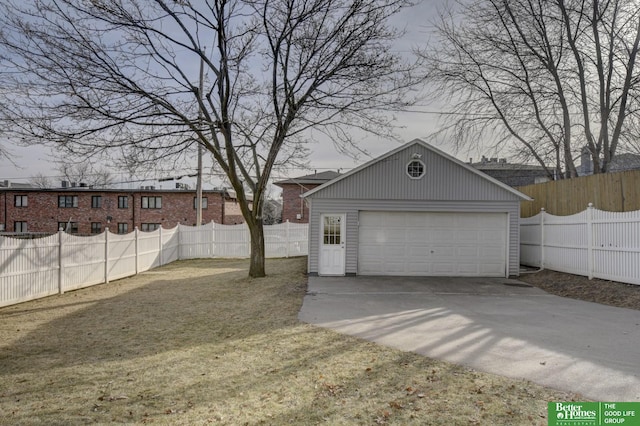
332	244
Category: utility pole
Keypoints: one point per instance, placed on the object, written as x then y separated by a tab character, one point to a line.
199	178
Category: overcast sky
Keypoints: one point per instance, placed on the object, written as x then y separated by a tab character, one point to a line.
34	160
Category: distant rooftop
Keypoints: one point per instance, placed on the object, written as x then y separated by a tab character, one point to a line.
9	184
626	161
502	164
315	178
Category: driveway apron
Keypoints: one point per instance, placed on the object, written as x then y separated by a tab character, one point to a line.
500	326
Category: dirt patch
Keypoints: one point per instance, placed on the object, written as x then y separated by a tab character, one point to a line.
197	342
582	288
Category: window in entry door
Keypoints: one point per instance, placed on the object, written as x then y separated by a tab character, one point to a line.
331	230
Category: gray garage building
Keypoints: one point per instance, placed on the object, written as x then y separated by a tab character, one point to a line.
414	211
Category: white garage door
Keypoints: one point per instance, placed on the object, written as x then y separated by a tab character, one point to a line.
425	243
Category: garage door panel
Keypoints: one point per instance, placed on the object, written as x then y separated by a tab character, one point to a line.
397	236
491	269
471	237
468	268
418	268
489	253
374	268
428	243
436	235
443	268
372	236
395	268
470	252
394	252
437	220
418	237
446	253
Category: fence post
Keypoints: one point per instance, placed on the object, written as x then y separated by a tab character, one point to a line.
590	240
213	239
137	248
248	240
287	237
179	242
60	263
106	254
542	213
160	246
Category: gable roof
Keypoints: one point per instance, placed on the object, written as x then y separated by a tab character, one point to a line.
428	147
315	178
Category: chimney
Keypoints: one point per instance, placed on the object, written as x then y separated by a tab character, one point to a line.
65	184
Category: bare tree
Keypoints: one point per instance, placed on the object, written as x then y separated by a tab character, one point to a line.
123	75
40	181
80	173
86	174
551	75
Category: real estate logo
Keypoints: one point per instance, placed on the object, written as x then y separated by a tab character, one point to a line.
593	413
573	413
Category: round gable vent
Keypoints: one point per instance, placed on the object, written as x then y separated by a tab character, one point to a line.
415	169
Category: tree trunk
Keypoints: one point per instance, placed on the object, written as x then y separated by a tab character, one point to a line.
256	266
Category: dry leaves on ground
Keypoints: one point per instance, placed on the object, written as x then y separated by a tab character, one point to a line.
197	342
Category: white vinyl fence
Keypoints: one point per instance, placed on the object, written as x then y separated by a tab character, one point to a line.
594	243
34	268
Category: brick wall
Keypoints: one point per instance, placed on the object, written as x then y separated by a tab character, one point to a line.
42	213
232	212
293	205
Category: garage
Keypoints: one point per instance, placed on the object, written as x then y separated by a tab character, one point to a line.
414	211
433	244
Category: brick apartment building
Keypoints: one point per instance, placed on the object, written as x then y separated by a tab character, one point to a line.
85	210
294	208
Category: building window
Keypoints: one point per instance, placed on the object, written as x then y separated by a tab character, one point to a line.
67	201
148	227
151	202
20	201
96	201
332	229
123	228
70	227
96	227
415	169
123	202
20	226
205	202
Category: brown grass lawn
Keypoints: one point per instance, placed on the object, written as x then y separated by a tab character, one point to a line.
197	342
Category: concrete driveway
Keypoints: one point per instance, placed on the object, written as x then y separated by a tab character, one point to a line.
496	325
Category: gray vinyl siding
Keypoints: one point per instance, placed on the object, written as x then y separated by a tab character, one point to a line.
352	207
443	180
